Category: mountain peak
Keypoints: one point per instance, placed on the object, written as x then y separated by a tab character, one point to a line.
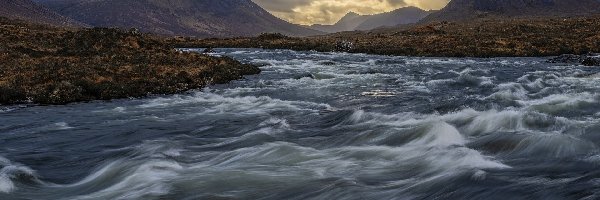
353	21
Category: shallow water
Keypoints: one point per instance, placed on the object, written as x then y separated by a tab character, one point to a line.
323	126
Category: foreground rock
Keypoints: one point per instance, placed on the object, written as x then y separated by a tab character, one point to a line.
591	61
586	59
46	65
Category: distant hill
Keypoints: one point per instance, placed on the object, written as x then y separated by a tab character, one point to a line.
347	23
397	17
353	21
28	10
459	10
201	18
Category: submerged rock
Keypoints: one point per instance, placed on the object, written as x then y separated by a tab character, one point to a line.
567	58
304	75
208	50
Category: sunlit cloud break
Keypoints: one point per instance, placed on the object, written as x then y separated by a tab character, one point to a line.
329	11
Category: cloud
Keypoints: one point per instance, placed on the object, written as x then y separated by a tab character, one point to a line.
330	11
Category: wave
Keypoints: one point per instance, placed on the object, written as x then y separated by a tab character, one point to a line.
13	173
558	104
466	77
216	103
303	130
269	168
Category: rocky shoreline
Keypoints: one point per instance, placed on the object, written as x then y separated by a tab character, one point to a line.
534	37
46	65
589	59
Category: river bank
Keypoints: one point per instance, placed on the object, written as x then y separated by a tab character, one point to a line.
46	65
481	38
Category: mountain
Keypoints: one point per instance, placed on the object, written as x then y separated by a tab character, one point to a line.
408	15
28	10
353	21
459	10
347	23
201	18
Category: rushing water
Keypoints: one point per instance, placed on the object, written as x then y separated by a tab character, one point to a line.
323	126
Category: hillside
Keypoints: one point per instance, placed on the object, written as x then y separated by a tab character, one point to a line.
206	18
51	65
397	17
477	38
460	10
27	10
353	21
347	23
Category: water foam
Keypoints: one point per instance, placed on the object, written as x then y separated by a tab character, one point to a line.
237	104
9	172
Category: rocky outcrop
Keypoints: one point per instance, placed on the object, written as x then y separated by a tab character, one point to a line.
567	58
591	61
586	59
44	65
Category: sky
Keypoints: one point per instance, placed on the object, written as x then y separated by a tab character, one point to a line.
308	12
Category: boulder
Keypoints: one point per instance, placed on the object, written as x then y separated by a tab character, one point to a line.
586	59
567	58
208	50
591	61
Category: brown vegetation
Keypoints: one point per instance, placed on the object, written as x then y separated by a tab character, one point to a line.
47	65
479	38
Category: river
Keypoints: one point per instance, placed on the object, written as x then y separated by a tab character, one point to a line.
323	126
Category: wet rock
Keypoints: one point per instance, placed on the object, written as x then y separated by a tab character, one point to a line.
320	76
390	61
344	46
61	93
304	75
327	63
272	36
11	95
371	71
209	50
567	58
586	59
261	64
591	61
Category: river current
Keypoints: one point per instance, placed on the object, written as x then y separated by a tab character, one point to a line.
323	126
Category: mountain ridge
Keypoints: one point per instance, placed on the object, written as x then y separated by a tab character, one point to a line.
206	18
28	10
353	21
463	10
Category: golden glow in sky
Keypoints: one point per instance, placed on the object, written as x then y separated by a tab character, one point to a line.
330	11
